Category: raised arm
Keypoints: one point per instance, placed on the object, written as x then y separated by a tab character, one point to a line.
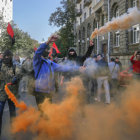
132	58
89	51
38	54
40	50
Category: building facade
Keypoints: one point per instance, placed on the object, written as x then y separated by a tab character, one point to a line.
93	14
6	12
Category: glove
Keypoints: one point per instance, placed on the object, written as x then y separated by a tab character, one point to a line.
14	80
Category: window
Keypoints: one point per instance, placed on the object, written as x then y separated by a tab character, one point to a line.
80	6
117	14
134	3
90	11
5	2
88	30
85	16
117	38
103	20
80	20
136	34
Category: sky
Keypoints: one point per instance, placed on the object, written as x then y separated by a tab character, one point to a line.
32	16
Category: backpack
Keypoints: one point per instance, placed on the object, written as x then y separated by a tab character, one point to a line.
31	85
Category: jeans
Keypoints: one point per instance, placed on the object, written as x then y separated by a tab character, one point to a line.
12	110
40	97
103	81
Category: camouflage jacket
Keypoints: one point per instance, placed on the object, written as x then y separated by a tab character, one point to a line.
27	80
6	76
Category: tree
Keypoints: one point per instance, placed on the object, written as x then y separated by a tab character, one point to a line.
64	17
23	45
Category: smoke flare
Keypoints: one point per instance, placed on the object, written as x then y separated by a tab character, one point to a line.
120	23
11	96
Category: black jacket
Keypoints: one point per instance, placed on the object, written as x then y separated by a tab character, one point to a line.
80	59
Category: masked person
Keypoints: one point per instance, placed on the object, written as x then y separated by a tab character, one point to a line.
72	55
74	60
136	65
44	72
7	75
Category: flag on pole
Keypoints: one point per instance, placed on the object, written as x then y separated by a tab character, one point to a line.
35	49
11	32
56	48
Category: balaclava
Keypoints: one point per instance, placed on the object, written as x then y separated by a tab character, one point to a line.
7	58
72	57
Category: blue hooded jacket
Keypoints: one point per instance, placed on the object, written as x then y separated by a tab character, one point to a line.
44	71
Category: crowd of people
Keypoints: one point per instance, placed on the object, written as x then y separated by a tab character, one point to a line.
35	79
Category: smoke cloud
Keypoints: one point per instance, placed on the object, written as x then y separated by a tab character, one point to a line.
73	120
120	23
54	121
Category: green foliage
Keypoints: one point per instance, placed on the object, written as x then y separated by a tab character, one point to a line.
62	49
23	43
64	17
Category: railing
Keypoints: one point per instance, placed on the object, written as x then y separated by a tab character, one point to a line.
96	2
78	1
79	12
87	2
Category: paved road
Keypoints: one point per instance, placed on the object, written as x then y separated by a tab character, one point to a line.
6	124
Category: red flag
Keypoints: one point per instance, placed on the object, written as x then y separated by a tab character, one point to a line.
10	30
56	48
35	49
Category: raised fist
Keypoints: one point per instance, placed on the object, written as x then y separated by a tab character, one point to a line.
52	39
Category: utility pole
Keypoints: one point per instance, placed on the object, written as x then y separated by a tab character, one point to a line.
108	52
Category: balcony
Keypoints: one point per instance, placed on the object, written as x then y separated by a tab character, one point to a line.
87	2
78	1
79	12
98	5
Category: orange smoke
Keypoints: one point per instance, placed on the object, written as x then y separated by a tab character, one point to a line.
71	119
123	22
117	121
12	97
54	121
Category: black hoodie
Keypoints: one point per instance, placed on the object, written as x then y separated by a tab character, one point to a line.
80	59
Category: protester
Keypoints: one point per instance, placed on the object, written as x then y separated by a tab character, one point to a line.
119	63
136	65
44	71
26	85
94	78
1	57
17	61
102	79
74	60
7	75
89	79
114	75
72	55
